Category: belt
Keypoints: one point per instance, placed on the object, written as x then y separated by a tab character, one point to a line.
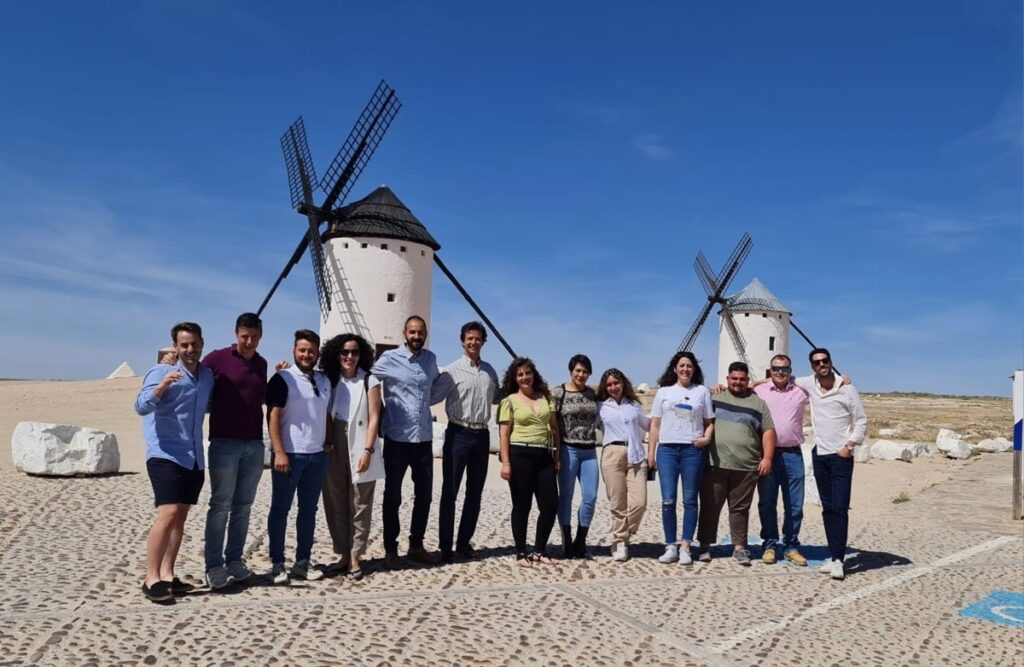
530	444
617	442
472	425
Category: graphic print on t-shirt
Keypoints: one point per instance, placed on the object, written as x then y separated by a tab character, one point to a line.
683	411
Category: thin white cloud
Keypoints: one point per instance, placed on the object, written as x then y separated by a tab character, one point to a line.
653	147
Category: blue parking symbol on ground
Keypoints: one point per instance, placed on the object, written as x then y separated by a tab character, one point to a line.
1002	607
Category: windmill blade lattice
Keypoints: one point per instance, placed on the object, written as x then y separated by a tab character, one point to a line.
298	162
738	342
715	286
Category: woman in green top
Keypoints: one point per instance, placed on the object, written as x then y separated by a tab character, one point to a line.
528	433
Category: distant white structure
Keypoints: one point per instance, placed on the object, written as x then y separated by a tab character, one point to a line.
763	322
380	259
122	371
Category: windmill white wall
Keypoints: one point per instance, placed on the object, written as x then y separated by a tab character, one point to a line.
377	283
763	321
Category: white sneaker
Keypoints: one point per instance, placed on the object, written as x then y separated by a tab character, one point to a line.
303	569
621	552
684	556
671	554
826	568
837	570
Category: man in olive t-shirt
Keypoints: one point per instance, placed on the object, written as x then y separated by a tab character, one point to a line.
740	453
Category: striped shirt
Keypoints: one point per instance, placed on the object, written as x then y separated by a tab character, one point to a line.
474	390
740	421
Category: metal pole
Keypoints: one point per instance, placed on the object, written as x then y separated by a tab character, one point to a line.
475	307
1018	455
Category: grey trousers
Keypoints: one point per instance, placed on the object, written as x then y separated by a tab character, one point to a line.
348	507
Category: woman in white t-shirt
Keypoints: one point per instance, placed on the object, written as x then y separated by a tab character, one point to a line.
355	460
682	425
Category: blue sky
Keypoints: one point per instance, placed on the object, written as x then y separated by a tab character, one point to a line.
571	158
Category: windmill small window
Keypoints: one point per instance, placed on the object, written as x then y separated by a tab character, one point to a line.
402	248
423	253
383	246
344	245
364	245
771	343
391	299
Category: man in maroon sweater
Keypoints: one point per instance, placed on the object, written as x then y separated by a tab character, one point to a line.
235	459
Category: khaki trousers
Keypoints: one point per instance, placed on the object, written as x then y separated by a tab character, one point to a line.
626	484
348	507
721	485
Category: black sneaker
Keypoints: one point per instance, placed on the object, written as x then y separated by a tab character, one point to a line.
179	587
158	592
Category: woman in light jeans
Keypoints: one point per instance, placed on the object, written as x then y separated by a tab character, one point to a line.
623	457
355	460
682	425
576	406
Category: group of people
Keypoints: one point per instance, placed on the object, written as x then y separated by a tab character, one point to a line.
328	408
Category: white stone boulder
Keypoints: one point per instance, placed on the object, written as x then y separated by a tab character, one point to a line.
947	438
957	450
993	445
643	388
888	432
492	430
863	453
62	450
438	439
889	450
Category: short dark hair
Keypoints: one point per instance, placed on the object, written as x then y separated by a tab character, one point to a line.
819	350
739	366
307	335
581	360
188	327
473	326
413	318
249	321
783	356
669	378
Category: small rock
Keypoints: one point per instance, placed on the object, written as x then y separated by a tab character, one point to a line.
947	438
63	450
993	445
862	454
889	432
958	450
888	450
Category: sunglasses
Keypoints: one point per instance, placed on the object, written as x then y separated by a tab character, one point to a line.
312	382
820	362
781	369
349	353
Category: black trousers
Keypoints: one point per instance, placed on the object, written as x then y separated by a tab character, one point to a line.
466	452
533	474
399	457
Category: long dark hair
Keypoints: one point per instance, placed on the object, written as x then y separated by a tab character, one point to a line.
627	387
509	385
331	351
669	377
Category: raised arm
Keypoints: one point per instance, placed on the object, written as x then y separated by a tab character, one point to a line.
156	383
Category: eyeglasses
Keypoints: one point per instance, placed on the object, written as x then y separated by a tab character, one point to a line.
349	353
781	369
820	362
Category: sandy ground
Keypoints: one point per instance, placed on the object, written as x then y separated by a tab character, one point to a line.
72	558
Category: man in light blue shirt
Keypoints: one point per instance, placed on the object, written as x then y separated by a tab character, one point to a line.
410	382
172	403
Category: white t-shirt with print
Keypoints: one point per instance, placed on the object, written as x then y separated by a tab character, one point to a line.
682	411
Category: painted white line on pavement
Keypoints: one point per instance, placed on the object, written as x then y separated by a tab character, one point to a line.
859	594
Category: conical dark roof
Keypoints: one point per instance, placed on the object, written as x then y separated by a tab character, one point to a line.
380	214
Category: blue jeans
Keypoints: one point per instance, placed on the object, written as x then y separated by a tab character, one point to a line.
235	469
788	474
578	464
679	461
834	476
306	476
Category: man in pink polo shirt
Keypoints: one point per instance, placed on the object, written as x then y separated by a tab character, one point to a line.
786	402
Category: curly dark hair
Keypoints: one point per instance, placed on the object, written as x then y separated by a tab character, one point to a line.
669	378
627	387
509	385
331	351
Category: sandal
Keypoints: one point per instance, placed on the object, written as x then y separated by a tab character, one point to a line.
524	560
543	558
355	575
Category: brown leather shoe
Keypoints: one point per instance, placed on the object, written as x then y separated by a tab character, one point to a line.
392	561
421	555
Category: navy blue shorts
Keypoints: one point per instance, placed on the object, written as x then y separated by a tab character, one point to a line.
174	484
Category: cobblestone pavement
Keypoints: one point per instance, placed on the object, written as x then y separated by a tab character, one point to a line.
72	559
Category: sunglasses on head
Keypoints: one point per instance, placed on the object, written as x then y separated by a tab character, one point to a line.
349	353
781	369
821	362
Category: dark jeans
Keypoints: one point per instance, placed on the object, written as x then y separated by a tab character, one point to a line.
834	476
533	474
466	451
306	476
399	456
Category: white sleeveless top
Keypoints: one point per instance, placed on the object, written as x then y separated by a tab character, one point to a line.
304	418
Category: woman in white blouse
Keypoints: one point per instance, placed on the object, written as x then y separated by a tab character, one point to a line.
623	457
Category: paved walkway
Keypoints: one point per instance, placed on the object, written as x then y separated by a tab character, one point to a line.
71	562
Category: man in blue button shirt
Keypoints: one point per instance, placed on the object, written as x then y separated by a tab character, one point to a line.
172	403
409	378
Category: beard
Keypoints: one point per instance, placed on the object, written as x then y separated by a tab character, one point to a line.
415	345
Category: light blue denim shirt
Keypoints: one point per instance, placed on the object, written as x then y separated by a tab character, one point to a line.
172	425
410	387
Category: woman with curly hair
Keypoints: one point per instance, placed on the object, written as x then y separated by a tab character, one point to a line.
355	461
623	457
682	425
528	436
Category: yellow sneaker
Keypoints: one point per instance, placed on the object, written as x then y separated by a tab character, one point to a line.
769	557
796	558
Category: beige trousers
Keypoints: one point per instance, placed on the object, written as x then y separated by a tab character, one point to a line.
348	507
626	484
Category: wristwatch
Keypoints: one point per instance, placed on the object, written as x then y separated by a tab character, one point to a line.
368	450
